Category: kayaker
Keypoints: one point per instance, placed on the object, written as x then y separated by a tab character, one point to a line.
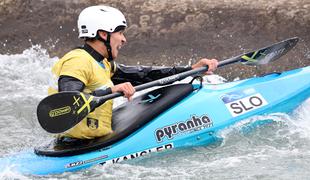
91	68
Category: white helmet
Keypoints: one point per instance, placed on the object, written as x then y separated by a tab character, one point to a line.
101	17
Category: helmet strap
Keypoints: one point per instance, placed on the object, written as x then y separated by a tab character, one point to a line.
107	45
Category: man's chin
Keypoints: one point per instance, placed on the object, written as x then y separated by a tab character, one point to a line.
114	55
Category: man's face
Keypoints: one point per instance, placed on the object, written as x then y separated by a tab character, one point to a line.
117	41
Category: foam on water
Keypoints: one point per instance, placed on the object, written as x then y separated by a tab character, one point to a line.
24	79
278	149
27	72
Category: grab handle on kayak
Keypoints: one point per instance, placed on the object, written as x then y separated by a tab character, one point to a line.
200	79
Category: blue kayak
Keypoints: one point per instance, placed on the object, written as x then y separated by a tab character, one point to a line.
175	116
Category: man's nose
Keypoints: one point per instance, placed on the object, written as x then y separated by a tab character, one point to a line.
124	40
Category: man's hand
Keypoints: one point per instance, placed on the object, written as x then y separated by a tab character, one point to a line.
212	64
125	88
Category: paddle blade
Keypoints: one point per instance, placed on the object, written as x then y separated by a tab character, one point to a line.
61	111
270	53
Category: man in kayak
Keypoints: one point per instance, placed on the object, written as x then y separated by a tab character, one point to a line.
91	68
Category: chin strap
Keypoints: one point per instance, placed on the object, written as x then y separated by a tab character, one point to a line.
108	46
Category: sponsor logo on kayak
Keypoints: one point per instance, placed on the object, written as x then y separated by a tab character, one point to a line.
193	124
151	98
60	111
241	102
79	163
138	154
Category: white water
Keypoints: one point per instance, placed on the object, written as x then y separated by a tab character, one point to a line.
279	150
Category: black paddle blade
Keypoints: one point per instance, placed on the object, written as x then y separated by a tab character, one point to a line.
270	53
61	111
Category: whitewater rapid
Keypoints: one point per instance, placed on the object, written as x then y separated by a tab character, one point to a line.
278	150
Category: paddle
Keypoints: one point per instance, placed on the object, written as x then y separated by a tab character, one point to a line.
61	111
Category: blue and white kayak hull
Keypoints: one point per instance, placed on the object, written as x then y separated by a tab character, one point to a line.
193	121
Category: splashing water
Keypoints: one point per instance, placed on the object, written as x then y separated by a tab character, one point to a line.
24	80
278	149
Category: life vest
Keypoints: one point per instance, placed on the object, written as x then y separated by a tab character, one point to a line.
96	75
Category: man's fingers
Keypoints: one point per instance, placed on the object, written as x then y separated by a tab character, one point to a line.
213	63
128	90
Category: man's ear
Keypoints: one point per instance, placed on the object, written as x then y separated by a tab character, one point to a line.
103	34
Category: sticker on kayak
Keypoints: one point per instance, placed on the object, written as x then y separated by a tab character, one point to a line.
241	102
191	125
139	154
79	163
122	158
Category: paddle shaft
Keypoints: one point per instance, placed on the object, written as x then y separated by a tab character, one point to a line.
169	79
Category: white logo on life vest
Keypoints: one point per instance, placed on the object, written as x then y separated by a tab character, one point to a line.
246	104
